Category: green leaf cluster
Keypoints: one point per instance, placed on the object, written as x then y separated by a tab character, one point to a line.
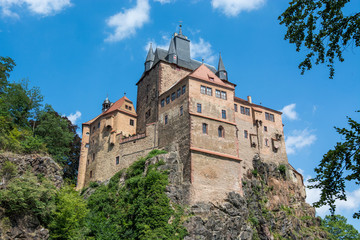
322	28
137	209
338	166
338	227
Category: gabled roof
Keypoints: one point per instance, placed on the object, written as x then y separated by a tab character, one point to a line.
205	74
114	107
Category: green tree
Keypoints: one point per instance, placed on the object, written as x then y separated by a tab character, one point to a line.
54	131
337	225
6	66
338	166
322	28
69	217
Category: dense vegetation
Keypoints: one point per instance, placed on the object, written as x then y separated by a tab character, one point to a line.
27	126
133	205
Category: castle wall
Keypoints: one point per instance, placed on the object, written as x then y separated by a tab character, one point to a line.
83	156
169	75
213	177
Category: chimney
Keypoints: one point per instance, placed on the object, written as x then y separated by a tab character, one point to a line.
249	99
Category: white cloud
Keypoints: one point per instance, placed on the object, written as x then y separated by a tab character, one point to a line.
165	42
73	117
202	49
298	140
350	205
41	7
163	1
232	8
127	22
289	111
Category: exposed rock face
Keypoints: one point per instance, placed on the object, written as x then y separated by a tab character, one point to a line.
26	225
272	205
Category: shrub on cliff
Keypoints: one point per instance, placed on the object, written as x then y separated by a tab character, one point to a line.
136	209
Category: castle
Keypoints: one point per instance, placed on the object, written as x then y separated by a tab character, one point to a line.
188	107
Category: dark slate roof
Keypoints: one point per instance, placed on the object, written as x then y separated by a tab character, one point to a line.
221	66
160	54
150	56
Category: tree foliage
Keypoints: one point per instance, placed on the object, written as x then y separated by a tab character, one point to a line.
338	166
322	28
339	228
138	209
69	217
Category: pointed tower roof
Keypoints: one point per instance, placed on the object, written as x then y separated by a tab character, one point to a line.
150	55
221	66
172	49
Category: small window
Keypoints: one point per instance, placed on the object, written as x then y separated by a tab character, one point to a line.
199	108
246	134
245	110
117	160
93	128
266	142
209	91
181	111
221	132
91	175
183	89
173	96
223	114
88	162
217	93
131	122
205	128
167	99
98	124
87	145
126	106
166	119
223	95
130	108
162	102
87	133
270	117
202	89
235	107
211	78
179	92
93	156
265	128
148	114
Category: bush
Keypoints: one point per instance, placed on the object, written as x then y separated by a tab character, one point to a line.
8	170
29	194
282	169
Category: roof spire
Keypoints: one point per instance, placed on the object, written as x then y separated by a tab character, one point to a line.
172	56
149	58
221	72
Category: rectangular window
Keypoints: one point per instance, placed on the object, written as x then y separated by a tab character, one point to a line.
117	160
162	102
166	119
93	156
223	95
183	89
130	108
266	142
202	89
269	116
199	108
173	96
223	114
179	92
131	122
167	99
209	91
265	128
245	110
87	145
217	93
98	124
126	106
245	134
147	114
181	111
205	128
91	175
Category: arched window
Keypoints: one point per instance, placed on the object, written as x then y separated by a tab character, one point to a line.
221	132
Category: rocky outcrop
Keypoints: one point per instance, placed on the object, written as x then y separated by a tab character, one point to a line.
271	206
26	225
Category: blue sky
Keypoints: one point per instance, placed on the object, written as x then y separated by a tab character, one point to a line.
78	51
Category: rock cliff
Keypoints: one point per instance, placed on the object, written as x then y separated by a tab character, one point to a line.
26	225
271	206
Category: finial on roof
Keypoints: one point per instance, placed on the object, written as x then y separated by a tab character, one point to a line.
106	104
180	30
124	93
221	72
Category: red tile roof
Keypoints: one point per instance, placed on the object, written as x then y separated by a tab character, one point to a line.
204	73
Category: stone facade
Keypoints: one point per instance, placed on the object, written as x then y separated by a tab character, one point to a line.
190	108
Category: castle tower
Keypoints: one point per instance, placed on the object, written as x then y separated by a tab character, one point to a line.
106	104
221	72
149	59
172	56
